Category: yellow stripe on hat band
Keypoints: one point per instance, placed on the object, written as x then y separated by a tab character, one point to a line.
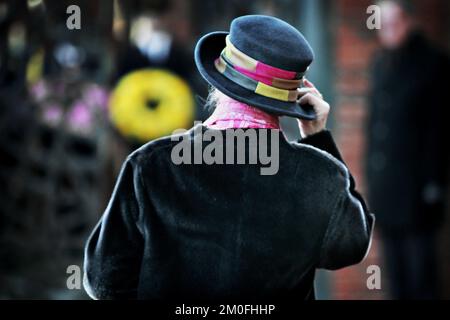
272	92
239	58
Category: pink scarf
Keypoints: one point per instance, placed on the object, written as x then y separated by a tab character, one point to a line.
232	114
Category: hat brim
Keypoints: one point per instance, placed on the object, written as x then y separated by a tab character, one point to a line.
208	49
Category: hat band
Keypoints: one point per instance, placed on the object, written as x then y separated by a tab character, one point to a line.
227	69
259	69
256	76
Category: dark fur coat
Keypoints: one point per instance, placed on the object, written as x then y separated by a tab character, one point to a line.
226	231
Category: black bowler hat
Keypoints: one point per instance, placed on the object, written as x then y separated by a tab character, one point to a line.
260	62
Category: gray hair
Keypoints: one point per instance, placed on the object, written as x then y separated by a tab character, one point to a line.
212	99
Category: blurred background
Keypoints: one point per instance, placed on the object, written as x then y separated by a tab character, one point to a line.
78	93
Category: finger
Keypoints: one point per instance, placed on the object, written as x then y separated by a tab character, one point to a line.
308	98
303	91
311	85
318	104
308	83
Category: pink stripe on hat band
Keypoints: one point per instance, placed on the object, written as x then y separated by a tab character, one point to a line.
264	69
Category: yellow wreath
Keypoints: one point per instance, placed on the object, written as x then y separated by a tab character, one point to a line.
151	103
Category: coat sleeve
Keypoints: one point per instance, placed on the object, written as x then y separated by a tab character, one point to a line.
349	232
114	250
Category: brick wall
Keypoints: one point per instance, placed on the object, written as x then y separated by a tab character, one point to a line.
354	46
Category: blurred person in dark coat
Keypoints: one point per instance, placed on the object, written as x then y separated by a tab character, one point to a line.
407	154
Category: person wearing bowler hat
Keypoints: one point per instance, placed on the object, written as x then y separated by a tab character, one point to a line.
189	232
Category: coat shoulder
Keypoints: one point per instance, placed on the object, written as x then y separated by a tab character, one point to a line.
147	153
322	160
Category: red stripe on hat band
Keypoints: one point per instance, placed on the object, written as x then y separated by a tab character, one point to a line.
269	80
258	76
